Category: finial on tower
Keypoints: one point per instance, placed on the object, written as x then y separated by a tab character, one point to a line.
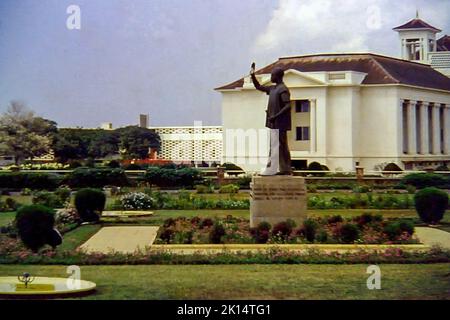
417	13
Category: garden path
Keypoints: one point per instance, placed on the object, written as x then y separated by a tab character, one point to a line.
126	239
430	236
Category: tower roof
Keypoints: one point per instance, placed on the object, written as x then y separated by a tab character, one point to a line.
443	44
416	24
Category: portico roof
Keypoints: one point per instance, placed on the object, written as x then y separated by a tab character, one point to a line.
379	69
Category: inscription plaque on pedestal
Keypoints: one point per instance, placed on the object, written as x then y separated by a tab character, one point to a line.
277	198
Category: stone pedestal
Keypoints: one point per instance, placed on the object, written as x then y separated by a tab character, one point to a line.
277	198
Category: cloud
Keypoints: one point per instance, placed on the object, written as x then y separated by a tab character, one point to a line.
318	26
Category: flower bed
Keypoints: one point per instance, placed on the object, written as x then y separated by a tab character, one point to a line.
365	229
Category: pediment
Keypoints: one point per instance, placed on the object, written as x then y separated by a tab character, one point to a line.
294	78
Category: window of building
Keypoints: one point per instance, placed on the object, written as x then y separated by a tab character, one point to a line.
302	106
302	133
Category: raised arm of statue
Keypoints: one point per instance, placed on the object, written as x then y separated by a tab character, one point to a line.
255	81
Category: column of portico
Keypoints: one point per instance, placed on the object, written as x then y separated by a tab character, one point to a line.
312	126
446	128
424	139
412	140
436	129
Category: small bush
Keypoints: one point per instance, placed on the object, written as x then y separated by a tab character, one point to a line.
424	180
90	204
282	229
96	178
392	167
395	229
202	189
207	222
63	193
216	233
349	233
229	188
335	219
21	180
431	204
315	166
137	201
262	232
35	226
309	229
48	199
11	204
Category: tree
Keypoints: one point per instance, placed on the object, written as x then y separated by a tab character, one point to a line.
24	135
136	142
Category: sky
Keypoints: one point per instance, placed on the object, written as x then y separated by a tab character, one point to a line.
165	57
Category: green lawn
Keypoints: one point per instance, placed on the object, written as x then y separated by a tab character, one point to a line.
255	281
6	217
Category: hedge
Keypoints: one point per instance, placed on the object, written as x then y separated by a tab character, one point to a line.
31	180
96	178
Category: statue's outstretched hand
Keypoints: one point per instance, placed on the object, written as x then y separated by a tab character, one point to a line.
252	69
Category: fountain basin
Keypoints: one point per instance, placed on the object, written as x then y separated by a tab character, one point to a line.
43	287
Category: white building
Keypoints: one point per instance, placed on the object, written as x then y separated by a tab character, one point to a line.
355	109
194	143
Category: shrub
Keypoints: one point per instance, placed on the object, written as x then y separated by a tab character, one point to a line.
21	180
349	233
282	229
169	222
229	188
367	218
11	204
411	189
244	182
26	192
63	193
90	204
201	189
315	166
395	229
431	204
335	219
261	232
137	201
114	164
392	167
133	166
96	178
207	222
424	180
67	216
35	226
169	177
232	167
47	199
309	229
442	167
167	235
216	233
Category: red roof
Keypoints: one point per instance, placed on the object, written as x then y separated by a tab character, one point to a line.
417	24
443	44
380	69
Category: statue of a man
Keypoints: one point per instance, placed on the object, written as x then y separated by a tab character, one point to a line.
278	119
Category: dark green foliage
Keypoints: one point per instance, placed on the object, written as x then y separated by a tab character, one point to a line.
395	229
349	233
367	218
133	166
431	204
216	233
11	204
315	166
392	167
36	181
181	177
90	204
232	167
309	229
35	225
137	141
114	164
423	180
167	235
96	178
169	222
442	167
63	194
48	199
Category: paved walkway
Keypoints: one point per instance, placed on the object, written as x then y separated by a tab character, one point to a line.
431	236
121	239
